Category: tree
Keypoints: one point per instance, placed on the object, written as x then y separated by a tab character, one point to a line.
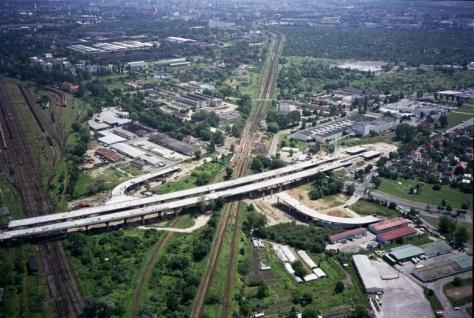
197	154
256	165
443	121
228	173
299	269
310	313
461	235
262	291
339	287
457	281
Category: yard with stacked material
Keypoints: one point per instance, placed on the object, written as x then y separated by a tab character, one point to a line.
24	295
459	291
401	188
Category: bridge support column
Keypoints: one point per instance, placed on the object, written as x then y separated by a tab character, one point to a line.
107	225
143	219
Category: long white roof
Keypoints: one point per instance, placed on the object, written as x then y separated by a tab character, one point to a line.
162	198
368	273
300	207
186	202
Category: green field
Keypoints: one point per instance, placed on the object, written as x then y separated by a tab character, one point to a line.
364	207
400	188
456	118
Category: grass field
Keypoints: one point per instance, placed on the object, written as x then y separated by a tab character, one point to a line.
388	138
456	118
400	188
459	295
364	207
210	168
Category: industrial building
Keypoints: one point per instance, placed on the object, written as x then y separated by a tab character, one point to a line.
414	108
136	65
403	253
108	138
346	235
197	100
395	234
378	126
388	225
137	128
173	144
109	117
108	155
444	268
326	132
368	274
436	248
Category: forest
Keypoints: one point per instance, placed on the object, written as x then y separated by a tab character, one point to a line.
414	46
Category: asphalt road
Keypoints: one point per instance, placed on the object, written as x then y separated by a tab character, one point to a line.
416	205
276	140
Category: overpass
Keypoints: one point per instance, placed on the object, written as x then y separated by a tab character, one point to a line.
321	217
61	222
158	199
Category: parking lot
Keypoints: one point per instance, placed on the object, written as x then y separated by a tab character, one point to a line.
402	297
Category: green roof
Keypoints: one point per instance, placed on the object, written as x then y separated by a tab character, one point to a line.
436	247
464	261
405	251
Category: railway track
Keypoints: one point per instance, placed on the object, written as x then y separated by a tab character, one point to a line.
23	171
230	218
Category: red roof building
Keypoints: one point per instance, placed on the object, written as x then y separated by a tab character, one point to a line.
108	155
395	234
360	231
388	225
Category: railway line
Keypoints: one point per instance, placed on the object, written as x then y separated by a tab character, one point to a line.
231	211
23	172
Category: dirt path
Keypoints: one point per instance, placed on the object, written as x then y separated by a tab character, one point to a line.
150	264
200	222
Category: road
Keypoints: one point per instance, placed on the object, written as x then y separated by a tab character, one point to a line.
438	289
467	123
275	142
416	205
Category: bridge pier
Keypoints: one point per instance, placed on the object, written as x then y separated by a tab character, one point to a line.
107	225
143	219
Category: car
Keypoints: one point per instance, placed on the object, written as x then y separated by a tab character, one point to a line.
457	308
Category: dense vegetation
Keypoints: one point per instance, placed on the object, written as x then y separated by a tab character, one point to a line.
325	185
299	236
413	45
307	76
261	163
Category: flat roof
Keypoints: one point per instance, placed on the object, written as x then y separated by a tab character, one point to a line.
463	261
368	273
355	150
371	153
128	150
288	199
405	252
436	247
109	138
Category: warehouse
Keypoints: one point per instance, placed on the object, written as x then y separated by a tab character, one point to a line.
128	150
436	248
109	155
405	253
109	138
173	144
396	234
368	274
443	268
346	235
119	131
388	225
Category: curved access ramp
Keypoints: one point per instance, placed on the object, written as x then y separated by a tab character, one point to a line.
122	188
321	217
